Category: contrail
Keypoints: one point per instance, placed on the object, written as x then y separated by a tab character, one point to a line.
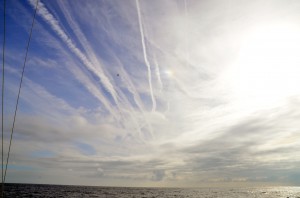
157	72
93	89
90	53
49	18
145	55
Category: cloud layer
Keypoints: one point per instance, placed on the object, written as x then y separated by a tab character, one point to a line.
145	93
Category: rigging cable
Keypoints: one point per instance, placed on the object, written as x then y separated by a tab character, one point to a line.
2	105
20	86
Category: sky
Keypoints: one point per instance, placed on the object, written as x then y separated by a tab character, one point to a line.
178	93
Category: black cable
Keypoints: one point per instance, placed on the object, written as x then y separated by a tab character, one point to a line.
20	86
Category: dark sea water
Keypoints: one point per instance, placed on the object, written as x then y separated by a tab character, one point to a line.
34	190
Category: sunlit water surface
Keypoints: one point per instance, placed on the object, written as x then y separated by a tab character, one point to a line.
33	190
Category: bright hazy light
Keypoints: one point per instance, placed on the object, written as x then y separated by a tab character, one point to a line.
268	68
169	73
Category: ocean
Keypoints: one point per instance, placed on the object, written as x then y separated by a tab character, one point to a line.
39	190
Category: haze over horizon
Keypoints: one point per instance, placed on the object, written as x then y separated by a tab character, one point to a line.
181	93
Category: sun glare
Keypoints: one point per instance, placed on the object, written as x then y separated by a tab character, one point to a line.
169	73
268	68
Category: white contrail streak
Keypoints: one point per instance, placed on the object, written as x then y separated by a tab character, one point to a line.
145	55
49	18
92	88
157	72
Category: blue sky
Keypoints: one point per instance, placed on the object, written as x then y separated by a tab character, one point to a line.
154	93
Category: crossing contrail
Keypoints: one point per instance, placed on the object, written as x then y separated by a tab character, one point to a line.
49	18
145	55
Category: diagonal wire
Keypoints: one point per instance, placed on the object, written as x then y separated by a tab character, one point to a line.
2	103
20	86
